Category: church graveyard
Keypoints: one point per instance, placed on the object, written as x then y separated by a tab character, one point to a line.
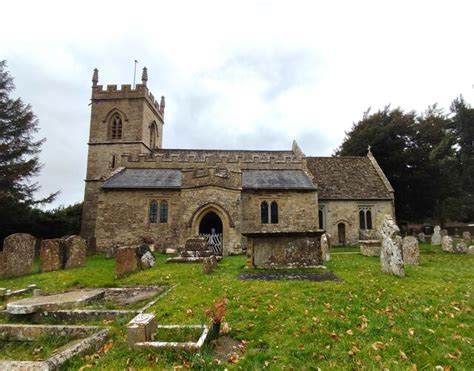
347	315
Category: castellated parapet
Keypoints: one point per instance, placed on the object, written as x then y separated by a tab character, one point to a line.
111	92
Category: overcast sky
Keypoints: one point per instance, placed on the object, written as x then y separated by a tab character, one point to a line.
236	75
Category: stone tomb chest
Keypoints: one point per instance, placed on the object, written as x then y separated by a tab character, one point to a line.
284	249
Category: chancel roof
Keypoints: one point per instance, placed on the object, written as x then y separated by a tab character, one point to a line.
349	178
144	179
276	179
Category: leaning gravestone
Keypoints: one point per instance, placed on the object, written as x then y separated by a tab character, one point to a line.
17	256
75	253
391	259
125	261
325	247
421	237
470	250
466	237
410	251
207	266
51	255
436	237
447	244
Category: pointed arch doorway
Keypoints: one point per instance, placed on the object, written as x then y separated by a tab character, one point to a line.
211	228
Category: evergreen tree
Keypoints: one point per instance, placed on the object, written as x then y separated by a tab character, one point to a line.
19	161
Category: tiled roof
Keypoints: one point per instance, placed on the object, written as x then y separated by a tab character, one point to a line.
344	178
144	179
276	179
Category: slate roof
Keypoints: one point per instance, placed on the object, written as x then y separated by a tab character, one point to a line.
144	179
348	178
276	179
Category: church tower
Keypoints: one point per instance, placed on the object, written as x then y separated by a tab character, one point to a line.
123	121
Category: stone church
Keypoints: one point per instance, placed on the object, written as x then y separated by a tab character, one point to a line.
137	189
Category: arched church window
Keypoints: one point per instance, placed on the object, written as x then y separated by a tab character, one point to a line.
153	212
264	212
153	136
164	211
116	127
365	218
274	212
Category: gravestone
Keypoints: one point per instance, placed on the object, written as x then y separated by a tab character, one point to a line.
51	255
443	233
466	237
17	256
207	266
325	246
145	257
410	251
125	261
391	259
470	250
447	244
436	237
141	329
421	237
75	253
461	248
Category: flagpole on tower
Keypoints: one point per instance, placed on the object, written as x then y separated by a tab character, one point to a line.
134	73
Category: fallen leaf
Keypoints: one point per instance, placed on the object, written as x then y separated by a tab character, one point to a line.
378	358
378	345
349	332
333	336
403	356
234	358
411	331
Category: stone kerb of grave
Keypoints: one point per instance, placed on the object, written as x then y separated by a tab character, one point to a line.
410	251
17	256
436	237
141	328
54	302
391	259
326	246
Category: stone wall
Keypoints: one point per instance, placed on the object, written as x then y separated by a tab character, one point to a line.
297	211
347	212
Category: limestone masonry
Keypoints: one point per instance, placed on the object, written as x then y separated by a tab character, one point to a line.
137	190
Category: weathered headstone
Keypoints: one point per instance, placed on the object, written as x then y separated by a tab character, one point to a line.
51	255
145	257
470	250
410	251
17	256
443	233
391	259
466	237
325	246
447	244
125	261
461	248
421	237
207	266
75	253
436	237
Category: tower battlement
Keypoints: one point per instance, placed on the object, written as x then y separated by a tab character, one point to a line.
126	91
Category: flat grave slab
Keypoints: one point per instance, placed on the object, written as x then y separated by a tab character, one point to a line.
54	302
292	276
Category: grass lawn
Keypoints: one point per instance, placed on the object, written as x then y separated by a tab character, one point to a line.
370	320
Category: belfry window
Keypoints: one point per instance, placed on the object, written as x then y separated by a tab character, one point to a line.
264	212
153	212
274	212
164	211
153	136
116	127
365	218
